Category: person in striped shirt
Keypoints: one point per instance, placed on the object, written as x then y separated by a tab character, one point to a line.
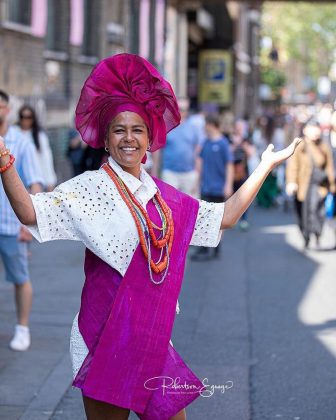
14	236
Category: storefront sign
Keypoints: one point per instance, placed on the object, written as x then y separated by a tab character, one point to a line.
215	77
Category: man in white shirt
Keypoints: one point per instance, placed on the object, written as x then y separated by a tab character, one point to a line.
13	236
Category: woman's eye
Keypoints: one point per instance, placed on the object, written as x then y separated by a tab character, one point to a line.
138	130
119	131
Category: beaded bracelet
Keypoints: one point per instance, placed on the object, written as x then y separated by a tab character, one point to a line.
5	153
8	165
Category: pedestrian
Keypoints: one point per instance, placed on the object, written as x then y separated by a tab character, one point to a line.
332	137
92	158
309	177
178	159
242	150
14	236
137	231
216	177
75	151
31	130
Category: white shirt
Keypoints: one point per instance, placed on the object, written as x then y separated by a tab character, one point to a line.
27	165
89	208
44	155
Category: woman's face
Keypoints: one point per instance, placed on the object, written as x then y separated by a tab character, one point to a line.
127	141
26	119
312	132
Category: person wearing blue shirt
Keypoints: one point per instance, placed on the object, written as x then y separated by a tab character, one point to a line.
178	158
14	236
216	179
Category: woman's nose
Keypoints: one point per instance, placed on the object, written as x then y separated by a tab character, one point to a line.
129	135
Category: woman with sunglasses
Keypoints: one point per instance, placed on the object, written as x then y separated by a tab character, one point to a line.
30	129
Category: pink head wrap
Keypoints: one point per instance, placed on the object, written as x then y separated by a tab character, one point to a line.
126	82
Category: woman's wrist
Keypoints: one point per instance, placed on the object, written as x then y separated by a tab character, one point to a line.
4	160
4	155
264	168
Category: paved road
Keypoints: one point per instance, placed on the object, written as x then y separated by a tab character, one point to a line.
263	317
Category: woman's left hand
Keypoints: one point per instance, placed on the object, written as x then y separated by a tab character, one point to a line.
271	158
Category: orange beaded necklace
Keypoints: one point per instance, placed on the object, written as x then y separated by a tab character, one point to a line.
145	226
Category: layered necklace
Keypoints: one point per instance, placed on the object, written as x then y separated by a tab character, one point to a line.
145	227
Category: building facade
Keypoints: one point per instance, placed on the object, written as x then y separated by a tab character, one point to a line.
49	47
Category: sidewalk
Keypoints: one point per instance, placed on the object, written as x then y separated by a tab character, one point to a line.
33	382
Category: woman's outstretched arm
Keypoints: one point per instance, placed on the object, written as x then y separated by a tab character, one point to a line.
237	204
16	192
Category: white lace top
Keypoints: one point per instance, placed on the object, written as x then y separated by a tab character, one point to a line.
88	208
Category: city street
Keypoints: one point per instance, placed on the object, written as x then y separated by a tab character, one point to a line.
260	320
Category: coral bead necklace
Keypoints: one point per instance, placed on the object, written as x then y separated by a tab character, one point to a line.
145	226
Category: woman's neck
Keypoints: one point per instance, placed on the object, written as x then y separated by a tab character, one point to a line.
135	171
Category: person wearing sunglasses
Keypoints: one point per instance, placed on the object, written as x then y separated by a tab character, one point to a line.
31	130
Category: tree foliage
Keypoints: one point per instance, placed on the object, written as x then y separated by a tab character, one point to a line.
275	78
303	31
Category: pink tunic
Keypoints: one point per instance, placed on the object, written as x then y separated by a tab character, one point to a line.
126	323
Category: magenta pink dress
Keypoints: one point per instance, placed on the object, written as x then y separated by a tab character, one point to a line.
126	323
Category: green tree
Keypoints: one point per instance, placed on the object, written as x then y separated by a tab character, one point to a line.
275	78
302	31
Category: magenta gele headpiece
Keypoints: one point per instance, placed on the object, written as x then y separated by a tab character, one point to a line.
126	82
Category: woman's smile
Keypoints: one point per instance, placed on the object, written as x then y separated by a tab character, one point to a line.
127	141
128	149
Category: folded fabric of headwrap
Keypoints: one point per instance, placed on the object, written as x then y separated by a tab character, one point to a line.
126	82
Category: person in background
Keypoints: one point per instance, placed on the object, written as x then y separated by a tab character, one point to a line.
93	158
309	177
332	136
197	120
75	152
216	174
14	236
242	150
30	129
178	160
332	144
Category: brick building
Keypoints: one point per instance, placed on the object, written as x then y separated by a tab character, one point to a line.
48	49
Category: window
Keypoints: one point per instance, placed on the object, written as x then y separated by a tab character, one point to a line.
58	25
19	11
90	46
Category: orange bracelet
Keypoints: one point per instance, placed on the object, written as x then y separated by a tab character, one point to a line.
5	153
8	165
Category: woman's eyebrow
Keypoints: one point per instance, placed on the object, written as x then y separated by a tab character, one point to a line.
124	125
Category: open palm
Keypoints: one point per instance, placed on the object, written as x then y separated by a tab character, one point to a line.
275	158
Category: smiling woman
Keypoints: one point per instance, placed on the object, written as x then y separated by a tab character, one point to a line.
127	141
137	230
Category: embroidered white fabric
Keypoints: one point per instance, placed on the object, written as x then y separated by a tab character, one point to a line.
89	208
78	348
